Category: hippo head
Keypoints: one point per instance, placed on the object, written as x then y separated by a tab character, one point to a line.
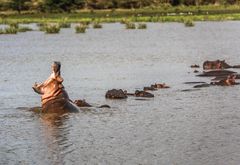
52	87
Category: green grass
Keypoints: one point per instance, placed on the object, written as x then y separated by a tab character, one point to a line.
81	28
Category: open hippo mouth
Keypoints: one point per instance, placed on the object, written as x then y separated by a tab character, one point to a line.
56	67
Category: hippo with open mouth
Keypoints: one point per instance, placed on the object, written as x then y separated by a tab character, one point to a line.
218	64
54	98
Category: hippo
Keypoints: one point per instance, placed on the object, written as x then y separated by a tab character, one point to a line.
82	103
138	93
54	97
149	88
218	64
159	86
143	94
116	94
230	80
155	86
224	77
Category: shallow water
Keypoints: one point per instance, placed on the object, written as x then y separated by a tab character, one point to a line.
175	127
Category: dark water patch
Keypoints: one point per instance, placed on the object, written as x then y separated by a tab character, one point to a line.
189	90
196	82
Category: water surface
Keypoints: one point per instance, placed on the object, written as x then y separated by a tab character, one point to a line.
198	127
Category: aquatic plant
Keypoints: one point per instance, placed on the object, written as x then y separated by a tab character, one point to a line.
81	28
142	26
130	25
1	31
13	25
10	30
52	28
97	25
189	23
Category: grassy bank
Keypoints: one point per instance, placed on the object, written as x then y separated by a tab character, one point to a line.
167	14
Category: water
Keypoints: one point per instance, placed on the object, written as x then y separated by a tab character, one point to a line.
175	127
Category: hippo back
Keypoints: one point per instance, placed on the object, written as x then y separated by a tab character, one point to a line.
207	65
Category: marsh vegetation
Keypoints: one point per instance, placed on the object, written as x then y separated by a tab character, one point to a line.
81	28
97	25
142	26
51	28
130	25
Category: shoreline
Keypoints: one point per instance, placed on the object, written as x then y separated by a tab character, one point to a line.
172	14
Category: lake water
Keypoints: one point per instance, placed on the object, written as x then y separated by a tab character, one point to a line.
175	127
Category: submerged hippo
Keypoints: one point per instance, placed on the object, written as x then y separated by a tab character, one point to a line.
159	86
54	98
230	80
218	64
138	93
82	103
116	94
155	86
143	94
149	88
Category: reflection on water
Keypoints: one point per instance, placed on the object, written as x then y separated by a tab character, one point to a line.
175	127
55	135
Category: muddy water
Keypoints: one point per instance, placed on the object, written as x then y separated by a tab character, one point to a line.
197	127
